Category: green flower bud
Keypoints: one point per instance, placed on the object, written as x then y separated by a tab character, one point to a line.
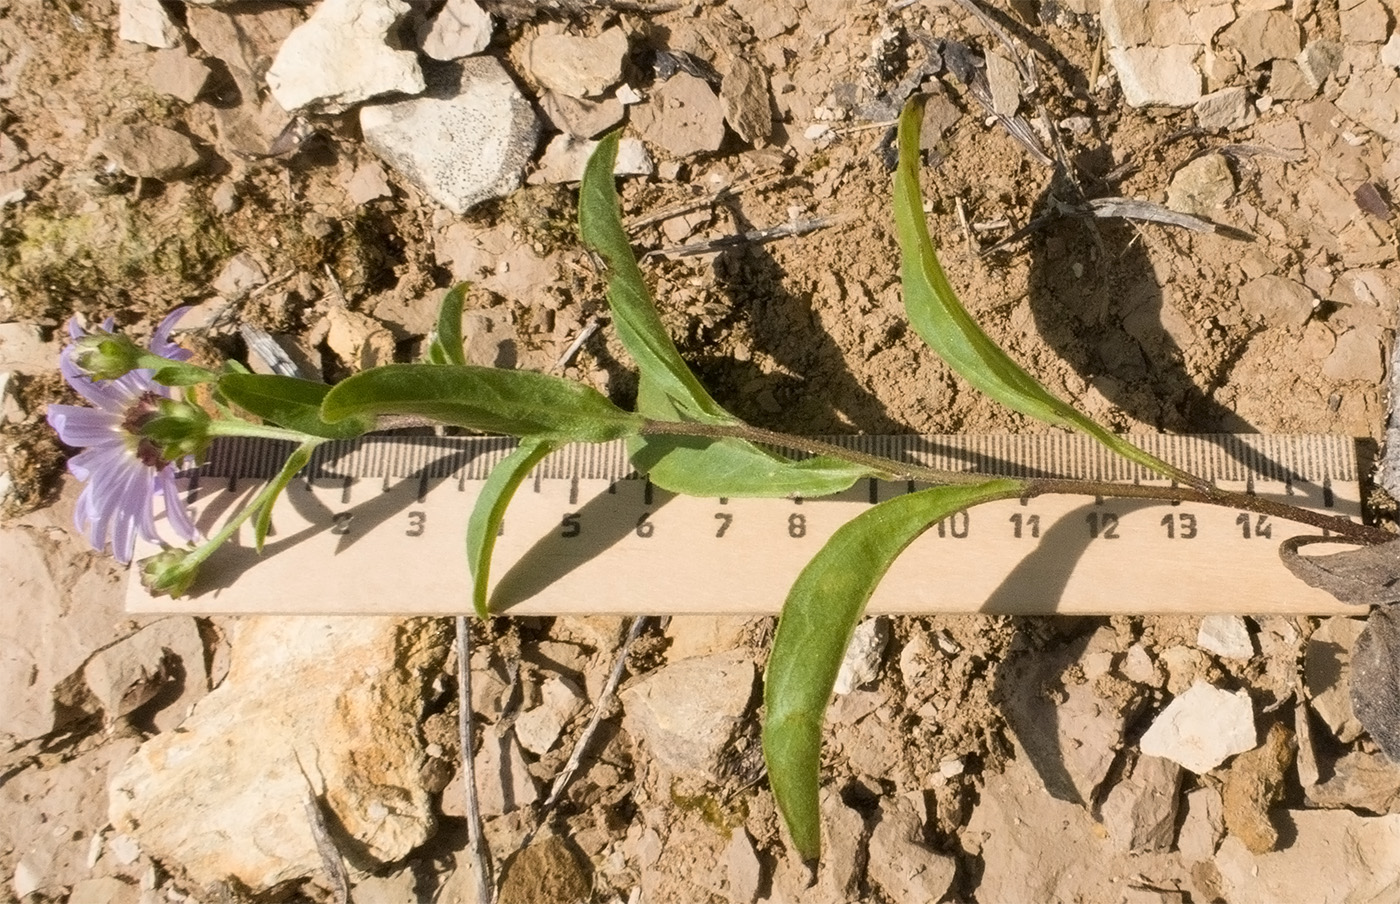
107	356
169	573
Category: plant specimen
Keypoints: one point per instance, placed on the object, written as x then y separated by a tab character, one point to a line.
684	441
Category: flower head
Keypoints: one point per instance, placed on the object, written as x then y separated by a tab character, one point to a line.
124	468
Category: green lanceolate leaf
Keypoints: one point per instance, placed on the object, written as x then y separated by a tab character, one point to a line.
940	319
701	466
706	466
515	402
291	403
634	314
490	510
815	628
445	341
295	462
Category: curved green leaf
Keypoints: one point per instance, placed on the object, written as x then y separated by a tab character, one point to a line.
815	628
634	313
515	402
295	462
490	510
705	466
445	341
940	319
289	402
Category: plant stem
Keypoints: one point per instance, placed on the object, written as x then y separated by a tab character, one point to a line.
232	427
887	468
1201	492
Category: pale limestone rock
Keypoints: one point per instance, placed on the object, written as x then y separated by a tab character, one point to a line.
1335	857
1287	82
1223	110
577	66
367	183
581	118
69	612
565	158
1072	742
223	796
538	729
1227	636
1125	22
241	275
845	846
1201	186
124	676
1319	60
150	151
359	341
1203	728
903	866
1359	781
465	141
1278	301
1005	82
743	869
689	713
1390	53
1024	863
105	890
23	351
1357	356
1203	826
1326	674
1263	35
503	777
744	94
701	635
1164	76
1363	23
146	22
683	116
179	75
339	58
461	28
1140	812
866	652
1373	99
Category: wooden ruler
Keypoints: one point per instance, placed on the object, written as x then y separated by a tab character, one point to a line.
377	526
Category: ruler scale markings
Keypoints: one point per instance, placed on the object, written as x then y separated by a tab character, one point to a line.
672	567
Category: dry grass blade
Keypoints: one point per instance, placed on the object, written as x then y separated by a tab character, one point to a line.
757	236
566	775
330	855
485	885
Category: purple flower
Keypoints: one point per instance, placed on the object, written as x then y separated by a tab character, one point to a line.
124	471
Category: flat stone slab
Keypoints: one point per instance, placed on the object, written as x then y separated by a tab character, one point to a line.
466	140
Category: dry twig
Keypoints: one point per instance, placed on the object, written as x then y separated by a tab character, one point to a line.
485	885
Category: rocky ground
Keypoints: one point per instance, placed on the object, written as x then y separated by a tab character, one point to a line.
322	171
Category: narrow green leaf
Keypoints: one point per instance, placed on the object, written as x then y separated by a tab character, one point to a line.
515	402
289	402
445	341
704	466
815	628
490	510
295	462
940	319
634	313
